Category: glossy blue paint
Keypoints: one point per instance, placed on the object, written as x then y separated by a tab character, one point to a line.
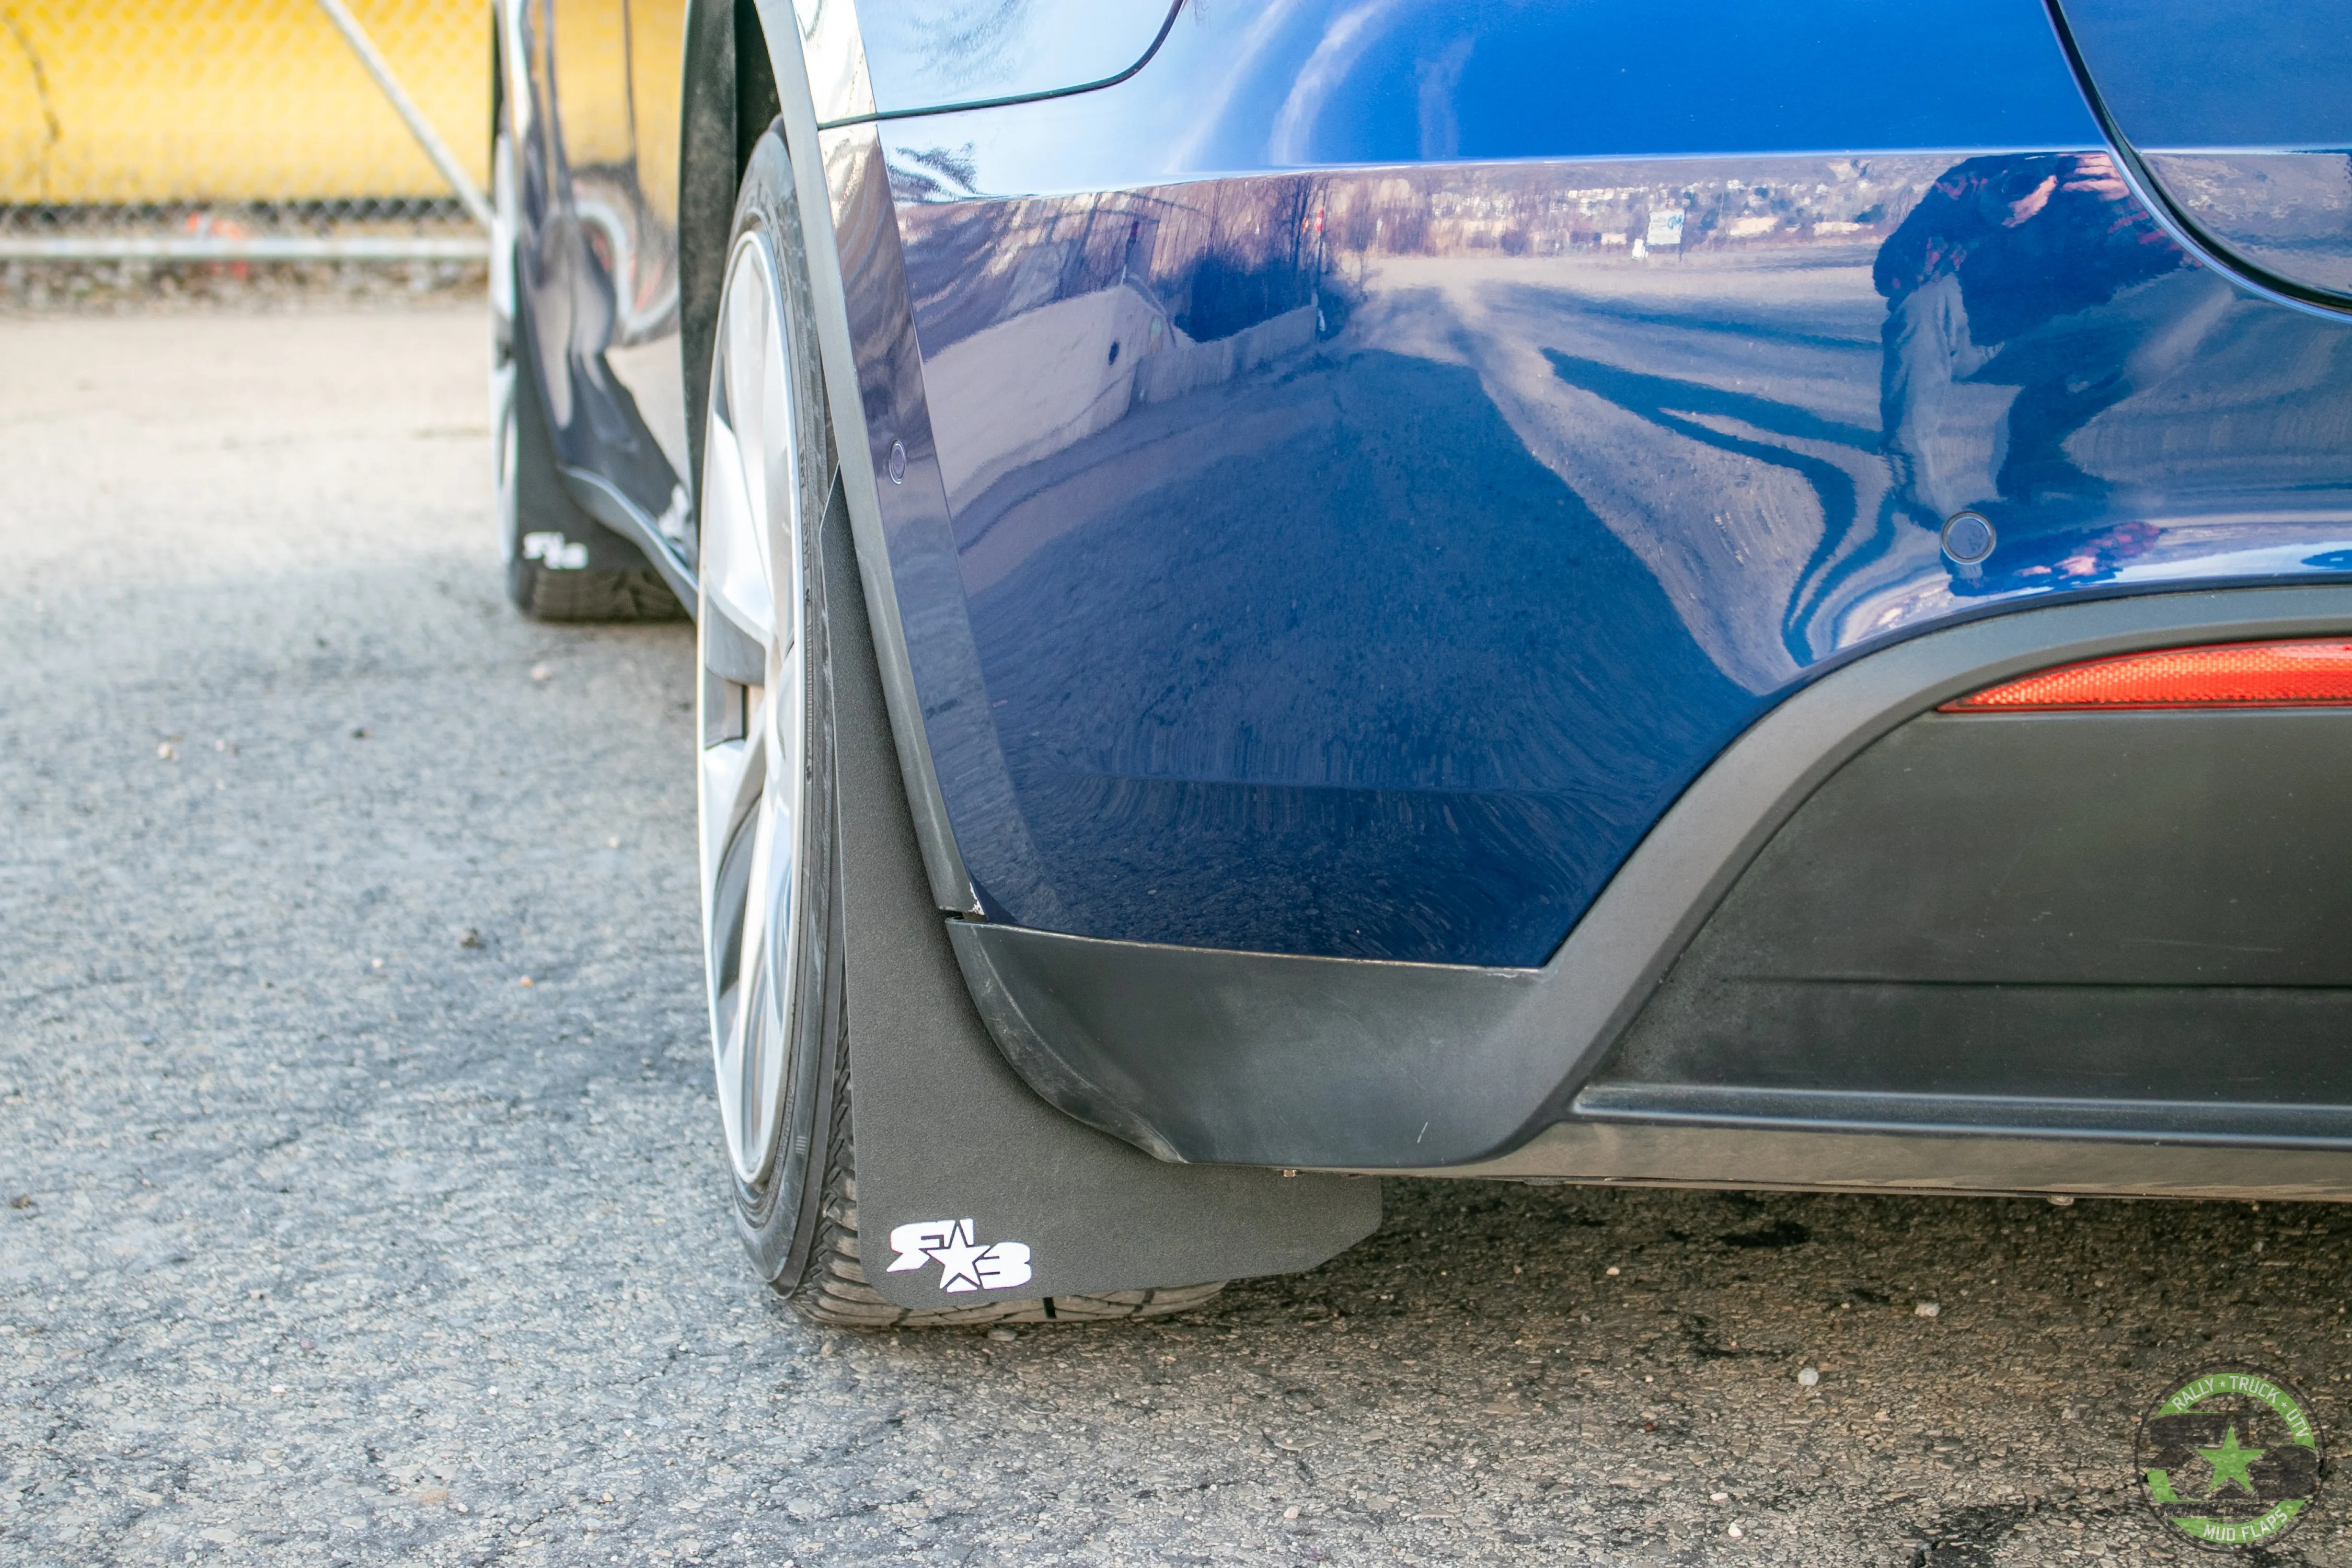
596	269
2191	74
928	54
1302	84
2238	118
1357	561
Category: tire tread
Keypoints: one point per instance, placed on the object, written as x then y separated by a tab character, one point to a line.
638	593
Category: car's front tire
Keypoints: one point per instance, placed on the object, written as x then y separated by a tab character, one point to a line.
770	853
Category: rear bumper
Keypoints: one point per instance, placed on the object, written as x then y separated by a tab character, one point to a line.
1862	917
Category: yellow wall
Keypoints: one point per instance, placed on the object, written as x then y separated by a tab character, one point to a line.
616	78
144	100
658	55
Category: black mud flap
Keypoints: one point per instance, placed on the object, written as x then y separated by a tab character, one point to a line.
969	1188
552	526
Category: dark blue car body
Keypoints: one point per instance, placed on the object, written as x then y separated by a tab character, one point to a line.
1387	626
1350	482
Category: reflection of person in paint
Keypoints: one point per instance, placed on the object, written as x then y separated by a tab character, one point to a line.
1996	279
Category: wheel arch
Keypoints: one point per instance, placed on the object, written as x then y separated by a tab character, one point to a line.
723	111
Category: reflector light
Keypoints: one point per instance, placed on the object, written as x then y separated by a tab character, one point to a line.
2304	674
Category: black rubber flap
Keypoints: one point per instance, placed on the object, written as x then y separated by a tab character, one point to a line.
993	1194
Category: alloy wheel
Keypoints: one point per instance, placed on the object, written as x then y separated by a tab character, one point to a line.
753	763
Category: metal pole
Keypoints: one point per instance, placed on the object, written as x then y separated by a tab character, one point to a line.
420	127
258	247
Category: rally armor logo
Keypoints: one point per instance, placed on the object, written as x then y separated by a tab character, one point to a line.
963	1265
2231	1457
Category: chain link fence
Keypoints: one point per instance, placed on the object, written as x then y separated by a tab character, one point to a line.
143	133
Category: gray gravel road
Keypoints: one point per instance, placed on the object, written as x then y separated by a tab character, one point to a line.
360	1167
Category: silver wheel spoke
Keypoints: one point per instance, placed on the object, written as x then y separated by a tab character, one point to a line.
734	563
752	764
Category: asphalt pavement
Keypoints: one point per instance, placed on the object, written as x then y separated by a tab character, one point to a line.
359	1171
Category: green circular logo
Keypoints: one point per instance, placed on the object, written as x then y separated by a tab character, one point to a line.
2231	1457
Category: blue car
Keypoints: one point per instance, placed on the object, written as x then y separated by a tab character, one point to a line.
1535	590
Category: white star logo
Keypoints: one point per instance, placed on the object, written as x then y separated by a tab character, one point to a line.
965	1265
958	1262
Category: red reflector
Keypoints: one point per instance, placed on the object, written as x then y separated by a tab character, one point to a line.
2227	675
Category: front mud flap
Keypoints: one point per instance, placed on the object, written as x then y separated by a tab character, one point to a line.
988	1193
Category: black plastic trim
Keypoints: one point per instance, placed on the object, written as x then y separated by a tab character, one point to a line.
2327	1127
2125	923
1196	1054
1683	1154
1259	1059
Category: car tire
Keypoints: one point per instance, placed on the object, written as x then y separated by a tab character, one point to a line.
536	512
770	835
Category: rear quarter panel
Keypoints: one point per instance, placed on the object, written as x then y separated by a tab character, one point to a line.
1364	467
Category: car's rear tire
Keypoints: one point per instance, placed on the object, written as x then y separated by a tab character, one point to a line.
770	861
541	529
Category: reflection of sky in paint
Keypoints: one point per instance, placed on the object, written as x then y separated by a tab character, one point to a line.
2193	557
1293	83
926	52
1336	53
1248	55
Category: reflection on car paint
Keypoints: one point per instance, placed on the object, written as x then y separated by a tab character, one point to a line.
2241	122
921	53
599	244
1359	563
2289	214
1321	84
